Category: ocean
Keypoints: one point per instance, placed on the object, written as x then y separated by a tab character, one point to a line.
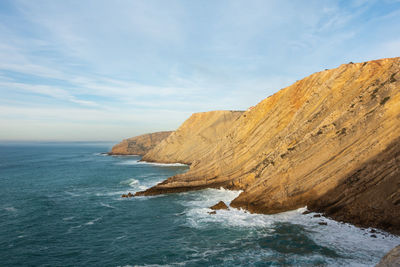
61	205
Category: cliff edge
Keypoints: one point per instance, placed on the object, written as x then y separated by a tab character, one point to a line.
139	145
329	141
196	136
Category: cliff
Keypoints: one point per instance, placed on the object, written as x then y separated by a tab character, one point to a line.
196	136
139	145
391	259
329	141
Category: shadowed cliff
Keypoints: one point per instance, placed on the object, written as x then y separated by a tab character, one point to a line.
139	145
299	147
368	196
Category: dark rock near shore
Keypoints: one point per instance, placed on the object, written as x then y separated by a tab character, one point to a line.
127	195
219	206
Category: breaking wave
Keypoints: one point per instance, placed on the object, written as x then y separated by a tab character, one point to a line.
137	162
356	245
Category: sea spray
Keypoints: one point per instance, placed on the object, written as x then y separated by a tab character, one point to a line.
138	162
354	244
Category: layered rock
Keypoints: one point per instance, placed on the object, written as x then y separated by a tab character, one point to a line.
329	141
196	136
139	145
391	259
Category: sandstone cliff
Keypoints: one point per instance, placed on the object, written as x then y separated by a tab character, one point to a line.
391	259
139	145
329	141
196	136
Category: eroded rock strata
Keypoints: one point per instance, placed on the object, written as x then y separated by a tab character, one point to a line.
139	145
196	136
368	196
391	259
329	141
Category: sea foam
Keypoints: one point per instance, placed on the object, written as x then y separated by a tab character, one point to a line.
106	205
346	239
10	209
112	193
137	162
131	182
93	221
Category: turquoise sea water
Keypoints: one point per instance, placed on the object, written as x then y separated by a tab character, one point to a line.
60	205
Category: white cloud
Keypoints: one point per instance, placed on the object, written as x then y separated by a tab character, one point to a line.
147	65
51	91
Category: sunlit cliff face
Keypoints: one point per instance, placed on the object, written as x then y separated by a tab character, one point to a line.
298	145
139	145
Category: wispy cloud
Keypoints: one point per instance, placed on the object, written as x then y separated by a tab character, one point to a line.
139	66
45	90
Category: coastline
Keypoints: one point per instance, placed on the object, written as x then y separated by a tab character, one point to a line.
329	163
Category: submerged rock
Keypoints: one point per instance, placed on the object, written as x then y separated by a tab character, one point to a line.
219	206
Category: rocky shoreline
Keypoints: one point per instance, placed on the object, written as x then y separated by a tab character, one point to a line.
330	142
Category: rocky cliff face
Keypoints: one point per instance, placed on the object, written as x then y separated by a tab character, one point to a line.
329	141
196	136
391	259
139	145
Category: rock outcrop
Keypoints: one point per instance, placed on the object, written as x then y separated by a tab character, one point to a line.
330	141
196	136
391	259
139	145
219	206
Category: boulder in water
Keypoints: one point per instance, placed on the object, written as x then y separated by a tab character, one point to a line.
219	206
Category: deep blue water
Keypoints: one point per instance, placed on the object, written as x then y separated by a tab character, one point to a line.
60	205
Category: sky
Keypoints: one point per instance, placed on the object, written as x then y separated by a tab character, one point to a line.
83	70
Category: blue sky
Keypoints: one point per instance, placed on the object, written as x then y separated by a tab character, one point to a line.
107	70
